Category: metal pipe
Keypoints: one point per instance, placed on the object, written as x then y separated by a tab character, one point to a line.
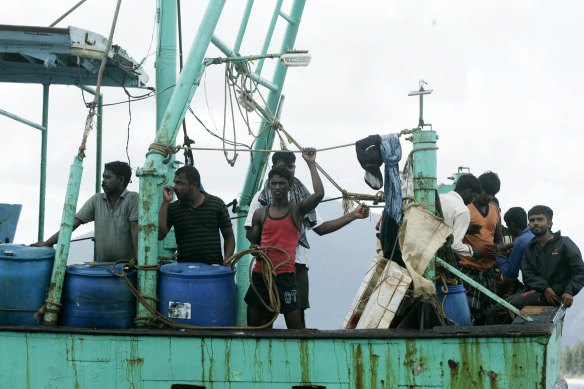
166	72
63	244
154	169
269	35
98	136
425	161
243	25
21	120
257	167
43	181
222	46
482	289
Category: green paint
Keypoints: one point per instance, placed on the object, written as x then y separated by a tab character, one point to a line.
242	360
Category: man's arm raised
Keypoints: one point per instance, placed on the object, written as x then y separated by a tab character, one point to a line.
308	204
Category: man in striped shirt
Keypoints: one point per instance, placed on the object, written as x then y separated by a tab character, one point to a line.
198	218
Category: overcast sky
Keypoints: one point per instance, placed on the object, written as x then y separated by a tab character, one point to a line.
507	80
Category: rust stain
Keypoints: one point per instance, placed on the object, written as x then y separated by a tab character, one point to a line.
373	362
453	365
304	362
358	367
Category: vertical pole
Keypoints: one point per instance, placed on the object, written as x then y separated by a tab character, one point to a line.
166	58
43	183
425	175
62	253
257	167
154	168
165	55
98	144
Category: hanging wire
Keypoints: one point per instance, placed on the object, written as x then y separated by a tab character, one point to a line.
91	113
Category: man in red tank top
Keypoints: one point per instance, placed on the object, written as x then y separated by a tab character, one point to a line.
278	225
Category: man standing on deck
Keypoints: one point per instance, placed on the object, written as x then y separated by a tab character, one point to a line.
115	214
455	211
197	217
484	231
279	224
552	267
312	220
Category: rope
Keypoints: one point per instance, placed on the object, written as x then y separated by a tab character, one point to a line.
91	113
261	150
165	150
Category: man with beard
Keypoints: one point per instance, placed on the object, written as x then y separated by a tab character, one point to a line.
197	217
115	214
278	225
552	267
484	232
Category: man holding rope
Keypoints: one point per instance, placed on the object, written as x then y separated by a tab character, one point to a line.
312	220
278	225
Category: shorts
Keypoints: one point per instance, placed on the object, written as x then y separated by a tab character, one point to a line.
302	285
286	283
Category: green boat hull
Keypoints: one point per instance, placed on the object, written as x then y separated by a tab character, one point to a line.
515	356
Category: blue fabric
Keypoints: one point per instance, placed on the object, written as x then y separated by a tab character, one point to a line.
391	154
510	266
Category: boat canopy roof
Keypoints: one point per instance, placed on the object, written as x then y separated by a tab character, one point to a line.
66	56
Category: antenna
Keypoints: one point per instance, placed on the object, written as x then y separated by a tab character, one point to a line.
421	92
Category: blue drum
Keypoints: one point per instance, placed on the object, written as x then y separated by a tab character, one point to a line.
25	274
197	294
93	297
455	304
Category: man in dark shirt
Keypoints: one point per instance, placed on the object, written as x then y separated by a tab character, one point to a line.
197	218
552	267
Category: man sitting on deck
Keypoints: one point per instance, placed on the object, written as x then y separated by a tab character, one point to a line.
484	231
278	225
552	267
115	214
197	218
311	220
516	220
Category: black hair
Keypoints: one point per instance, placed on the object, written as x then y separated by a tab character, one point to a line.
468	182
120	169
517	216
490	183
287	157
191	173
541	210
280	171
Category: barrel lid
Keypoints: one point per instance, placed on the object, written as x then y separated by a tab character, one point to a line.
23	252
195	270
96	269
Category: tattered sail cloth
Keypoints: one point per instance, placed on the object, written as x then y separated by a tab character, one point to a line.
420	235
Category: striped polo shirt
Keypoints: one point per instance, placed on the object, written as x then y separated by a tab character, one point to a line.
197	229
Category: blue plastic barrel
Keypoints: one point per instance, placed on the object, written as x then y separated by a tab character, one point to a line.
455	304
25	274
197	294
93	297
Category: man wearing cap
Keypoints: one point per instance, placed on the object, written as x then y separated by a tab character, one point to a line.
311	221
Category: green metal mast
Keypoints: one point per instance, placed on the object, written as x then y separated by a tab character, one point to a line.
155	168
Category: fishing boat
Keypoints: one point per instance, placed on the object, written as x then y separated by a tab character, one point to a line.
522	355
